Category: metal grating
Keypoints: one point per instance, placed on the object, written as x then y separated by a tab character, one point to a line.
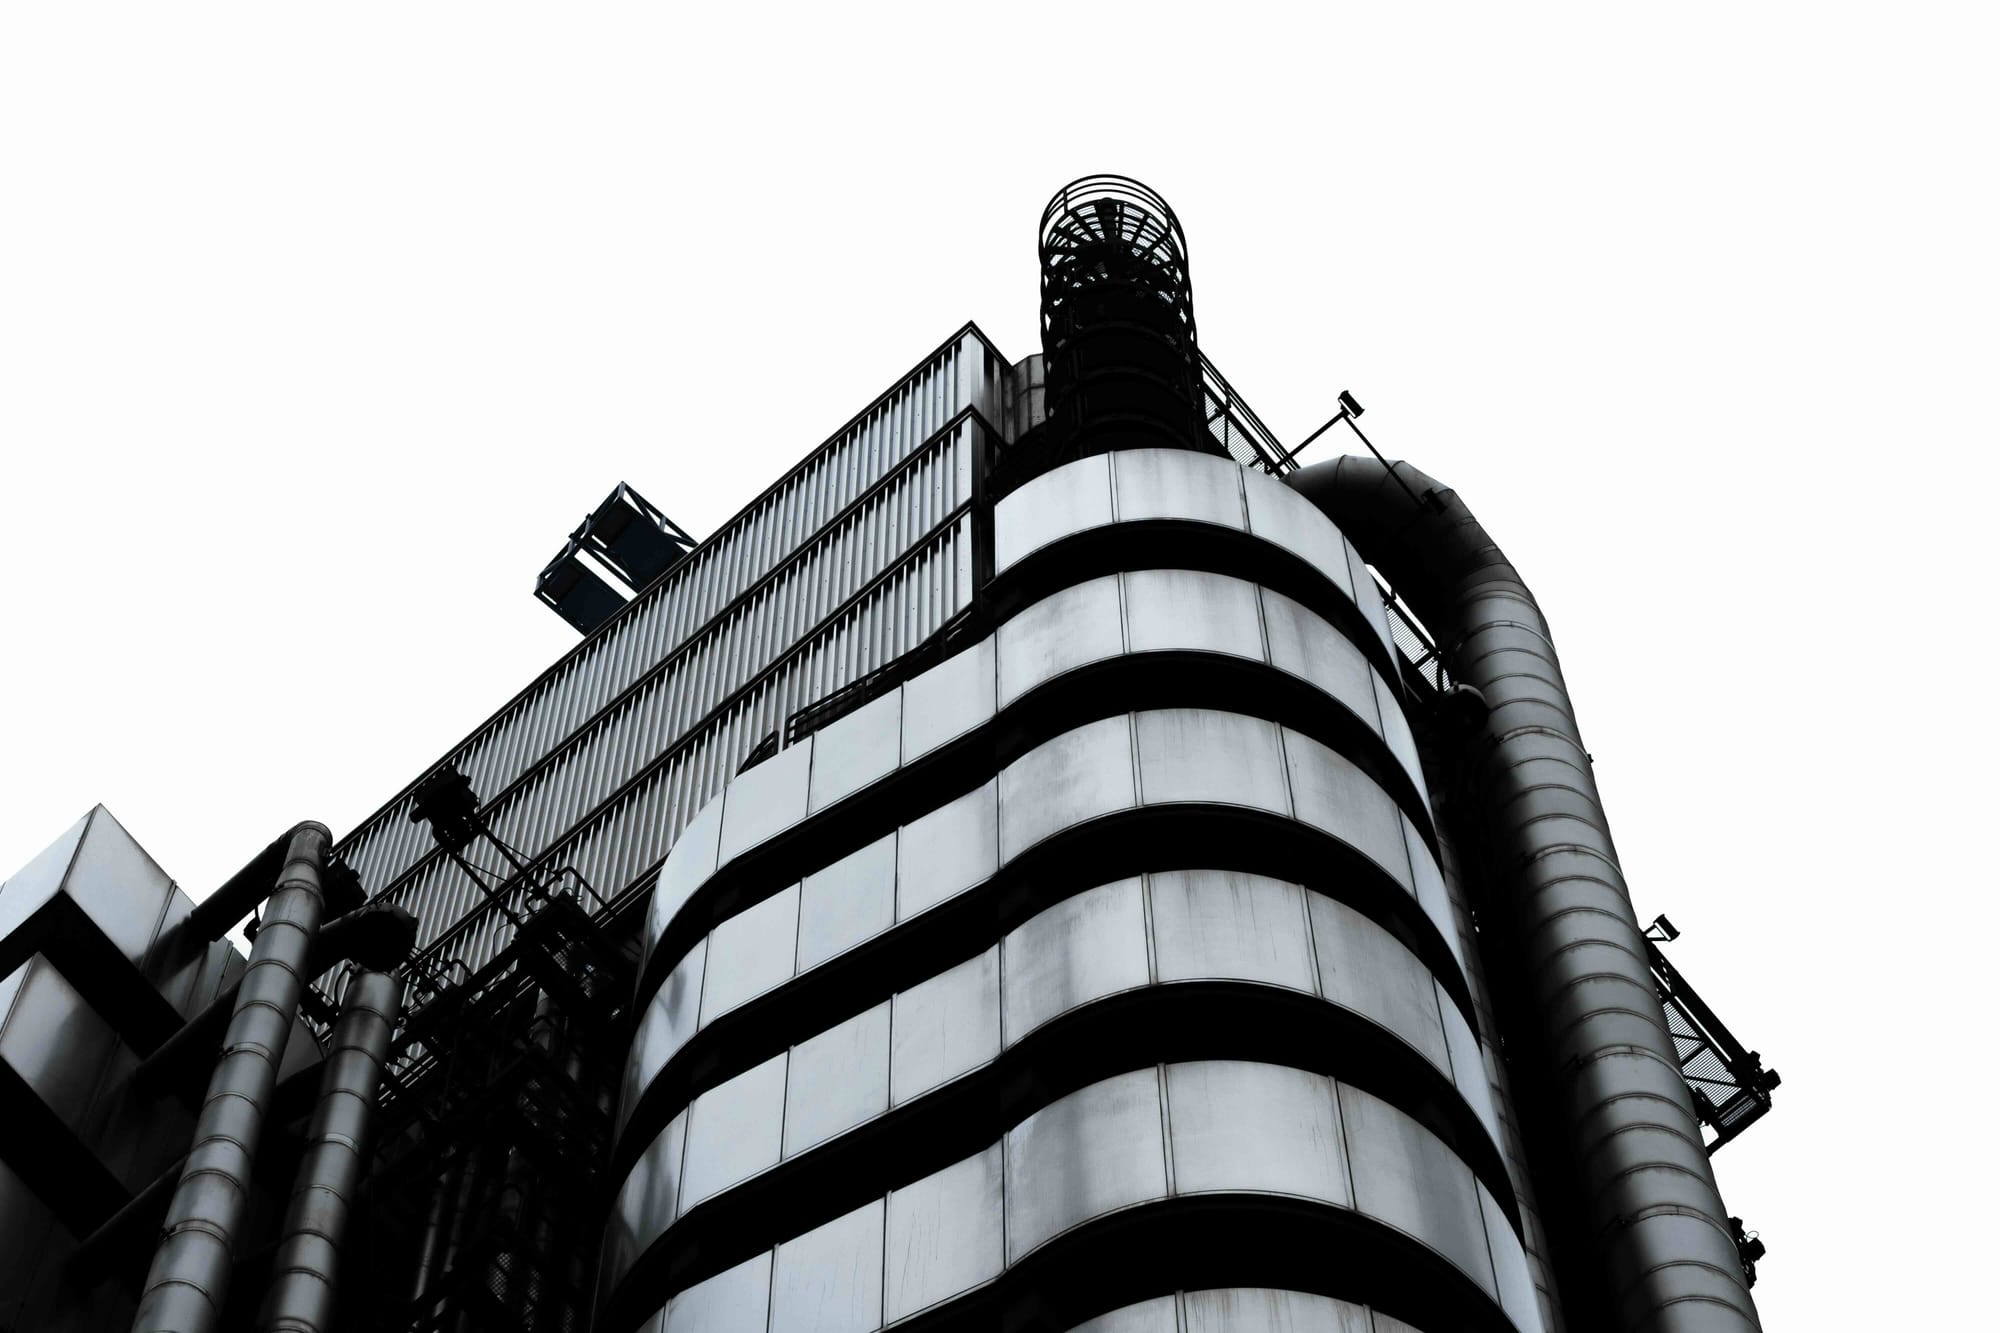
1413	642
1240	431
1731	1087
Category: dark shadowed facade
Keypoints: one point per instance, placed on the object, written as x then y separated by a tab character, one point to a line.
1033	869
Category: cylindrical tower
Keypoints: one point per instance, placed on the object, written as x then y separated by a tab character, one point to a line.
1117	321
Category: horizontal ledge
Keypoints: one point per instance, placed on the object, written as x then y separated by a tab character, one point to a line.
1146	840
1191	1242
1163	1023
1141	682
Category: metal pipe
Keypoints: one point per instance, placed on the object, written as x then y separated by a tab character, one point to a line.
305	1273
518	1190
429	1248
189	1279
1637	1145
240	893
466	1231
378	936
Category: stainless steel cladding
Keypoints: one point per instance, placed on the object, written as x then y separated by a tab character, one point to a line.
996	993
994	881
1145	1140
189	1281
305	1272
1667	1250
844	564
1245	1310
97	966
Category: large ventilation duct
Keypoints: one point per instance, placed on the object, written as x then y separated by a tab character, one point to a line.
1636	1144
1117	322
189	1279
239	895
305	1273
378	937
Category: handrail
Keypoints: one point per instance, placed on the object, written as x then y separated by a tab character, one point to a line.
1252	443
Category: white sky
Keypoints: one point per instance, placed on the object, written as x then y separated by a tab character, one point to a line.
318	331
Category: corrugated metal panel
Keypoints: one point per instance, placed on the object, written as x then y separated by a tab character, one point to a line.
794	514
722	658
617	836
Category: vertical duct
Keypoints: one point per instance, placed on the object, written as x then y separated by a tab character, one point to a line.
189	1279
304	1275
431	1247
1117	322
1669	1256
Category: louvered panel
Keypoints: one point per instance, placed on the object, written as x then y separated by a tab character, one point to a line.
758	540
597	762
380	859
618	839
732	652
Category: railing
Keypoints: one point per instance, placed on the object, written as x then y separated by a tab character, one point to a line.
499	1088
1239	430
1236	428
1420	652
436	978
949	638
1731	1087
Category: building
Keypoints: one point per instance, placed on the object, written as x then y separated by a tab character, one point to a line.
1027	870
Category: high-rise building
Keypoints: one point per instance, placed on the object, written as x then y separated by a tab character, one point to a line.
1032	869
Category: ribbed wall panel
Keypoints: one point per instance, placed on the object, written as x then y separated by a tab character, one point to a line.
729	653
681	607
615	842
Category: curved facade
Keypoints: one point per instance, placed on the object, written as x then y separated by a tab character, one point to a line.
1019	874
1115	942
